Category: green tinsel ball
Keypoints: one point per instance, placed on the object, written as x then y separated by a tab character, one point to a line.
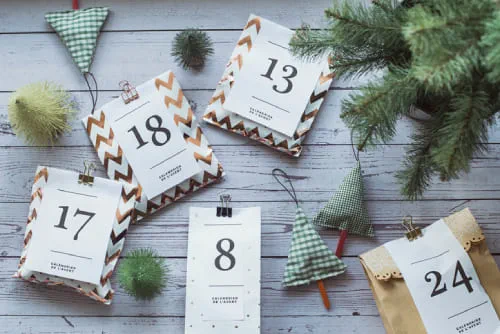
142	273
191	48
39	112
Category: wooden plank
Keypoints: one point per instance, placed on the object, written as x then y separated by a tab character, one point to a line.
167	231
349	294
28	16
316	174
135	56
162	325
327	129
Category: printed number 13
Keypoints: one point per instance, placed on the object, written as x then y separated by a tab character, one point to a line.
287	78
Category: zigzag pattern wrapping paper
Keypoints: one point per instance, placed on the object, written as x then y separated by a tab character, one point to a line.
102	292
118	168
218	116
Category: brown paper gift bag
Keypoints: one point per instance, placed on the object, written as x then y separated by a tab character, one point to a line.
393	299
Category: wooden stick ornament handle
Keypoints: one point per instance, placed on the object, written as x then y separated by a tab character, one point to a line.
340	245
75	4
324	295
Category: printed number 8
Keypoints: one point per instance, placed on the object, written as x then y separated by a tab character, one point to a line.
232	260
153	129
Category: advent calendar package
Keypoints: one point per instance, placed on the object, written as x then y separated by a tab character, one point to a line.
438	280
75	231
149	137
265	92
223	271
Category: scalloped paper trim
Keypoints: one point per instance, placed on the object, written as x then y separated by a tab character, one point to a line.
462	224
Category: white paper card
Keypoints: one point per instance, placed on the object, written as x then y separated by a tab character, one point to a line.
273	87
73	227
223	272
151	141
443	283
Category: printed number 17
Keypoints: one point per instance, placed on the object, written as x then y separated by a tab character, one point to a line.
64	213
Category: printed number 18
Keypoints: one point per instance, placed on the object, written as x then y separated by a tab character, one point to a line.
153	129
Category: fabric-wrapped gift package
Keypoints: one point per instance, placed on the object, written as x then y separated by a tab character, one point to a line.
451	296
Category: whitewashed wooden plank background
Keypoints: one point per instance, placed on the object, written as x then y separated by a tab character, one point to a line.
135	45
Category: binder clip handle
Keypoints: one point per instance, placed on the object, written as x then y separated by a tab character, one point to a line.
86	178
413	232
225	210
129	92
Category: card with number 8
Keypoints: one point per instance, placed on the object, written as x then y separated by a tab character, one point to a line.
223	272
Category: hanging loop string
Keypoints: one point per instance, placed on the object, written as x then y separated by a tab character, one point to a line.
94	98
355	150
279	172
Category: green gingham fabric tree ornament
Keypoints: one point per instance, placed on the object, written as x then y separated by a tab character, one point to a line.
309	258
79	30
346	210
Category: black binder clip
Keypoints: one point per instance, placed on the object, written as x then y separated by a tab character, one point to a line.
85	177
129	92
412	231
225	210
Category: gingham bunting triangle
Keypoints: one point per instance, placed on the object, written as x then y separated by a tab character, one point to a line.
78	30
346	209
309	259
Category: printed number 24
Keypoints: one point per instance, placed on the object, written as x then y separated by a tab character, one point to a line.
287	78
459	270
154	130
78	212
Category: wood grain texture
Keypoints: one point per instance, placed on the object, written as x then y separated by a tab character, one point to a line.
328	128
167	231
162	325
134	56
135	45
28	16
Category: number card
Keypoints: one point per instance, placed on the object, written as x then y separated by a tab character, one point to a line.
274	87
443	283
151	139
75	231
265	92
223	272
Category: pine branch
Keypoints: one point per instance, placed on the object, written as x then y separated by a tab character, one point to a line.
491	43
464	132
372	114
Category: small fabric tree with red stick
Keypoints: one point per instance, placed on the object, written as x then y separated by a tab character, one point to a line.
309	258
346	210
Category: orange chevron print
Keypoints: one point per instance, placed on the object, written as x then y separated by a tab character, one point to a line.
246	40
168	85
219	96
196	141
44	172
33	216
254	21
188	122
239	59
99	123
37	193
112	257
108	141
120	218
28	238
136	191
312	114
325	78
177	103
207	159
105	278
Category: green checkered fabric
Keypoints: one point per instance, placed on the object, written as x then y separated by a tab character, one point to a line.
346	209
309	259
79	29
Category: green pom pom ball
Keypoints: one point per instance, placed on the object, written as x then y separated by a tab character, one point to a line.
142	273
39	112
191	48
